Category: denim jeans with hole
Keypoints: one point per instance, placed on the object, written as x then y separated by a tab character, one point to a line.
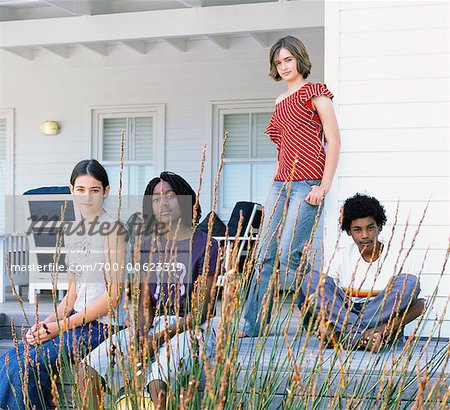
283	234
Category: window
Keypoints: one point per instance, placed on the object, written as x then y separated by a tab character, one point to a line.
249	156
6	165
143	145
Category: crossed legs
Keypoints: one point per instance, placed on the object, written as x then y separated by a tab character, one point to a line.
366	325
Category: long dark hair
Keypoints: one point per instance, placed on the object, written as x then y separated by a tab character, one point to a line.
186	198
90	167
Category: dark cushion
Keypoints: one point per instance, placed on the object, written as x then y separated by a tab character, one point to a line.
218	227
51	208
48	190
246	208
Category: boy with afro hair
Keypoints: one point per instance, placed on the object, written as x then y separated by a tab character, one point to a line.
369	294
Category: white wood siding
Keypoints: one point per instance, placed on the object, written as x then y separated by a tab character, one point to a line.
391	75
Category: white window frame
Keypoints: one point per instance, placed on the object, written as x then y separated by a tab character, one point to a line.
219	109
156	111
8	115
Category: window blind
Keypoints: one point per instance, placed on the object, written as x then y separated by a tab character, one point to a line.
262	146
138	142
143	138
247	177
237	145
112	128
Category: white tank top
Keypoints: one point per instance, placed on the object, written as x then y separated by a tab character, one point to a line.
86	260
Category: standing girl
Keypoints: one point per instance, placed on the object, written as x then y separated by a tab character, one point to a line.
81	319
302	124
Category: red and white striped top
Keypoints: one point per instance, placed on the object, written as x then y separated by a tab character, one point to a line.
296	130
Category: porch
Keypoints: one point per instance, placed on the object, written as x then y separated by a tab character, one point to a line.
403	374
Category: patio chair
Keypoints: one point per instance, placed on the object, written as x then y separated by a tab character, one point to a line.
251	219
43	208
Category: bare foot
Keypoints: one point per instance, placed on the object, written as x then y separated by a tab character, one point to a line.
327	335
373	339
242	335
376	342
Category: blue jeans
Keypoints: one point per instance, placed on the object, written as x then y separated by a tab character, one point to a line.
77	343
285	235
353	318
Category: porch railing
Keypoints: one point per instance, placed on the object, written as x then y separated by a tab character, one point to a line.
14	247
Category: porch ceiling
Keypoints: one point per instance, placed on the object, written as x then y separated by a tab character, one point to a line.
41	9
58	25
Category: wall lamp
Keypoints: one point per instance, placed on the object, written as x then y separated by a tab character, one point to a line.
50	127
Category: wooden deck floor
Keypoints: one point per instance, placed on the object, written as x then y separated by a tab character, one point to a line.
356	364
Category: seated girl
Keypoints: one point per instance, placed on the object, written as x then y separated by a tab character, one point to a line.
177	269
82	318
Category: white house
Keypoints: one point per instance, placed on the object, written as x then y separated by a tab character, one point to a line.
177	73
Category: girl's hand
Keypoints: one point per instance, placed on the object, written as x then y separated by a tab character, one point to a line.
42	333
29	336
316	195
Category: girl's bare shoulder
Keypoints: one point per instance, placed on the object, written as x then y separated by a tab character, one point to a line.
281	97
